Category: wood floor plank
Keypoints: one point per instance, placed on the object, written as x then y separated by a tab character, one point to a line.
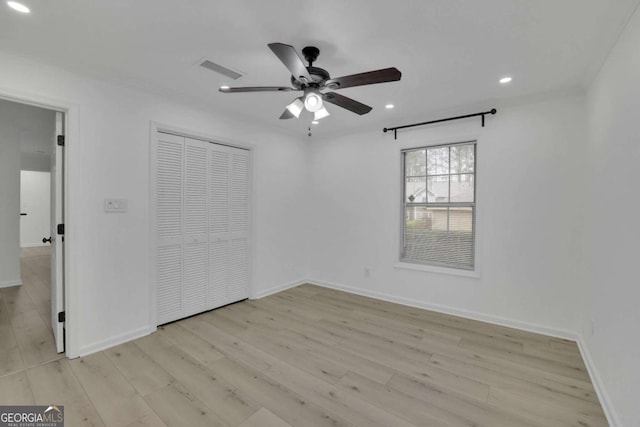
10	356
148	420
404	406
494	375
264	418
230	404
553	409
352	362
144	374
115	399
176	406
196	347
510	367
229	345
476	413
547	365
54	382
34	337
286	404
343	403
15	389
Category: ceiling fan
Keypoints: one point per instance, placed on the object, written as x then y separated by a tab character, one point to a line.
313	80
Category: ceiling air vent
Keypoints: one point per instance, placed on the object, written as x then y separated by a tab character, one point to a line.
210	65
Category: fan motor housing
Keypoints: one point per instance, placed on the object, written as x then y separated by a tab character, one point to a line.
318	76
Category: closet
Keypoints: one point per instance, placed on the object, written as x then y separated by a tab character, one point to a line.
201	199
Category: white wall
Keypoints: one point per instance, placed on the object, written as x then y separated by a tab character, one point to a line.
35	201
528	162
108	153
9	198
613	229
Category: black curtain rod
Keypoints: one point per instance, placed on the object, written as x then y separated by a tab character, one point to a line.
395	129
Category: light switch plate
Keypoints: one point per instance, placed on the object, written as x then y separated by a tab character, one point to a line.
115	205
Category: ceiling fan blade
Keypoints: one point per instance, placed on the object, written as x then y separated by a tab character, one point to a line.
347	103
287	115
290	58
370	77
226	89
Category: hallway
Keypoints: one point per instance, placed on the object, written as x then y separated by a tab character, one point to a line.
25	317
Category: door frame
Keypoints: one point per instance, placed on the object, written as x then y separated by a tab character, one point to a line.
70	111
175	130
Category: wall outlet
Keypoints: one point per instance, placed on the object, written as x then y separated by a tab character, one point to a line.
115	205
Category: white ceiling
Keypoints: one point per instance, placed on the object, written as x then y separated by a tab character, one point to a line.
451	52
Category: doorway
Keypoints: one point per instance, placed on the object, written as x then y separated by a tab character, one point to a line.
32	224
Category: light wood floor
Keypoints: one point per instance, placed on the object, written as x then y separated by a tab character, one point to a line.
307	356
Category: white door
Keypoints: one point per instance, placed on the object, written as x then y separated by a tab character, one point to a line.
57	239
35	207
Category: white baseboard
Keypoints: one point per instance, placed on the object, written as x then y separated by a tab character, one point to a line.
34	245
113	341
483	317
603	396
274	290
9	283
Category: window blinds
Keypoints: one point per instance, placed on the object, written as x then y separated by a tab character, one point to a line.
439	205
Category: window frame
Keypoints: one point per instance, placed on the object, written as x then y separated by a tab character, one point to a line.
434	266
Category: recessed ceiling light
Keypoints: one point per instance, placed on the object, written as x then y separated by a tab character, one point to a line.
315	122
389	106
505	80
18	6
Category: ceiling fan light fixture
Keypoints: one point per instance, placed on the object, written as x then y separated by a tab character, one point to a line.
296	107
320	114
313	102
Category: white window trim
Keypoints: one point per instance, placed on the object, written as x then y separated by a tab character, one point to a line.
476	272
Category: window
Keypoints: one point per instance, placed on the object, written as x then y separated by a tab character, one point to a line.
438	225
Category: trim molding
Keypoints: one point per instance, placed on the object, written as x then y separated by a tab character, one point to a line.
9	283
33	245
276	289
483	317
116	340
605	401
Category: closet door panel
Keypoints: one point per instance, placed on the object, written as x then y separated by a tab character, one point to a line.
219	225
196	236
219	273
168	283
239	189
169	226
238	267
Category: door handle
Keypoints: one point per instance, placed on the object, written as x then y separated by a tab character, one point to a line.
45	240
23	214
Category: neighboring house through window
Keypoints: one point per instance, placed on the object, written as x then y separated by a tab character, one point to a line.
439	209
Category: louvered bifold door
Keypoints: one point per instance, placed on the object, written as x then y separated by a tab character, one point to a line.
168	176
196	233
218	225
239	244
